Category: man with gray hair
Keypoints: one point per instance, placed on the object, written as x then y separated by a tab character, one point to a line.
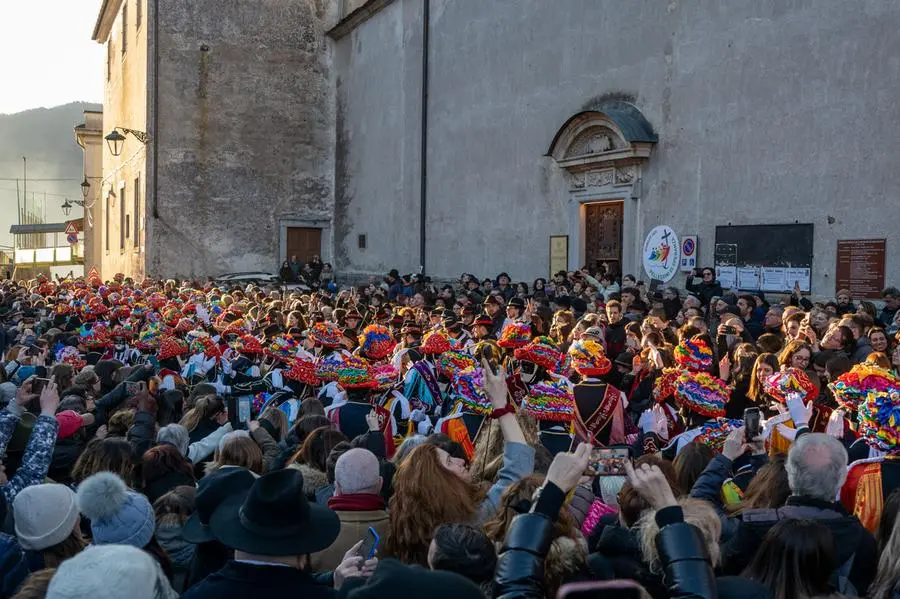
358	503
816	468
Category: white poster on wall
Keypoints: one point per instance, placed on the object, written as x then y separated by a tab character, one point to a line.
748	278
726	276
662	254
797	275
773	279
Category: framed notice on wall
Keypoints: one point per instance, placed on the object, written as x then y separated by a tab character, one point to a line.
559	254
860	267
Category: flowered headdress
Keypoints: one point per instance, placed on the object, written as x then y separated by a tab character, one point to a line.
95	338
469	387
353	373
171	347
694	354
148	339
71	356
792	380
701	393
326	334
282	347
455	361
121	333
201	342
248	344
879	420
714	432
588	358
852	388
385	375
515	334
327	370
541	351
302	371
550	401
664	386
376	342
435	343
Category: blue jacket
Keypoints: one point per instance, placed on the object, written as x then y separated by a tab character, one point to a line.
13	569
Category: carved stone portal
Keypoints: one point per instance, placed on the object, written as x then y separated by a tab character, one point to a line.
594	140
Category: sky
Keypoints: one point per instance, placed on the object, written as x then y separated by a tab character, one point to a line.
47	57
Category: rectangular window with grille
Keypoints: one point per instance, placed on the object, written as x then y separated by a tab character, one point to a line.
124	26
122	232
106	221
137	213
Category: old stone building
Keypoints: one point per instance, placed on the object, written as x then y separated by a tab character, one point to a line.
471	136
226	112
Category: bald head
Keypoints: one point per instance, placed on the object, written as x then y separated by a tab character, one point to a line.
357	471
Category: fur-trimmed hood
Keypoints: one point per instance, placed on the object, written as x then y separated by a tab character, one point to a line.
312	479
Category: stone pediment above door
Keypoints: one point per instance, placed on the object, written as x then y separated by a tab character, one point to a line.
603	147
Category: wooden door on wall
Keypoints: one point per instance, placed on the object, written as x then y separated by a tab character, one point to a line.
304	243
603	235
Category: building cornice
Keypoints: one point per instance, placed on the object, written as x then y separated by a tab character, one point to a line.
108	11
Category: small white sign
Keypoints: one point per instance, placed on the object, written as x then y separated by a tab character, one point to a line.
748	278
688	253
773	279
795	275
662	253
727	276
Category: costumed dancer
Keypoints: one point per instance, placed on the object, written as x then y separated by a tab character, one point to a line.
329	355
849	391
471	407
871	481
122	335
599	406
171	361
424	385
549	398
514	335
779	430
349	413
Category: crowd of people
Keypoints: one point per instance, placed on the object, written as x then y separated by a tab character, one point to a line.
587	436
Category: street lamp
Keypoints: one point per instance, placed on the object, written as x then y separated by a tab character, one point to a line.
67	207
85	188
115	140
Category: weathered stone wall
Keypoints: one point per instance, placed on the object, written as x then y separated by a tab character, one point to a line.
767	112
246	131
379	74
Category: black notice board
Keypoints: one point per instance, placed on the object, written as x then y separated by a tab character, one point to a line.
765	245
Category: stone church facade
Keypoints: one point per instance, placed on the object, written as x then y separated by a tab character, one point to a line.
469	136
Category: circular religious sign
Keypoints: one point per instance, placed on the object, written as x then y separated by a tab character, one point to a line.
661	253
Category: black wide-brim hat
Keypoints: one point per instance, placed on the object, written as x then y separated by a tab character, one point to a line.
212	490
274	518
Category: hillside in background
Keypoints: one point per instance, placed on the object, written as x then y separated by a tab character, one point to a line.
44	136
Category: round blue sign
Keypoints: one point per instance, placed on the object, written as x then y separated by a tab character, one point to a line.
72	239
688	247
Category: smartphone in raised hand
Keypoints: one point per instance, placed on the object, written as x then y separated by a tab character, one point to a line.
370	544
752	423
609	461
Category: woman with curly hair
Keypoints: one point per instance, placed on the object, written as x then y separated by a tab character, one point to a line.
432	487
568	549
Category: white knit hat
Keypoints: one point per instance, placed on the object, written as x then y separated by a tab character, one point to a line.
110	572
45	515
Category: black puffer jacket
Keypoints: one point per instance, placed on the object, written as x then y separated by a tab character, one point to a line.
520	568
